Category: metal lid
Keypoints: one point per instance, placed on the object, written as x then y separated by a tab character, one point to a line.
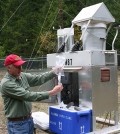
97	12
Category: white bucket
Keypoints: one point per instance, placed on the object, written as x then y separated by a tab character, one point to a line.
66	35
94	37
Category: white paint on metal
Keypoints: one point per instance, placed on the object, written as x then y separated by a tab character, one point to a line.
97	12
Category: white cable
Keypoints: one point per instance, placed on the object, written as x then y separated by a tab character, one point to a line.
11	16
48	30
38	37
46	34
69	33
114	39
67	13
85	30
117	2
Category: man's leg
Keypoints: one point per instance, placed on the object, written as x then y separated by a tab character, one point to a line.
21	127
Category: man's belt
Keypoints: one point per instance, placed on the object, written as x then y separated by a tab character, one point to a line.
20	118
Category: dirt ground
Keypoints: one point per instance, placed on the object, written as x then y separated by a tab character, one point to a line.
43	107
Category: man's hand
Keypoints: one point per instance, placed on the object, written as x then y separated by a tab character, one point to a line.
56	89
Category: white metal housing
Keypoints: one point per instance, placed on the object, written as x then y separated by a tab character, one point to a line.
97	12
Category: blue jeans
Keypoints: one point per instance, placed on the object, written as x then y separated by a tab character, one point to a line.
21	127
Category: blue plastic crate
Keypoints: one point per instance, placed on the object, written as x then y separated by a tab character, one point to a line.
69	122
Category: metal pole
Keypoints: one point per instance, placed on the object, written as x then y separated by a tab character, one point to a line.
116	117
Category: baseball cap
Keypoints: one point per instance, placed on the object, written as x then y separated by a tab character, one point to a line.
13	59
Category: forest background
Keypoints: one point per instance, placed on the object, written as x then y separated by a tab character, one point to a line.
29	27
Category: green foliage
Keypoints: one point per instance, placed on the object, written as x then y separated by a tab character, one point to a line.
47	44
27	29
2	52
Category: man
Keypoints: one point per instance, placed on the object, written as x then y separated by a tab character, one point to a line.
15	89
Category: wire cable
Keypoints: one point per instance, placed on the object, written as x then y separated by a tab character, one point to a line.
117	2
38	36
50	28
45	36
67	13
12	15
